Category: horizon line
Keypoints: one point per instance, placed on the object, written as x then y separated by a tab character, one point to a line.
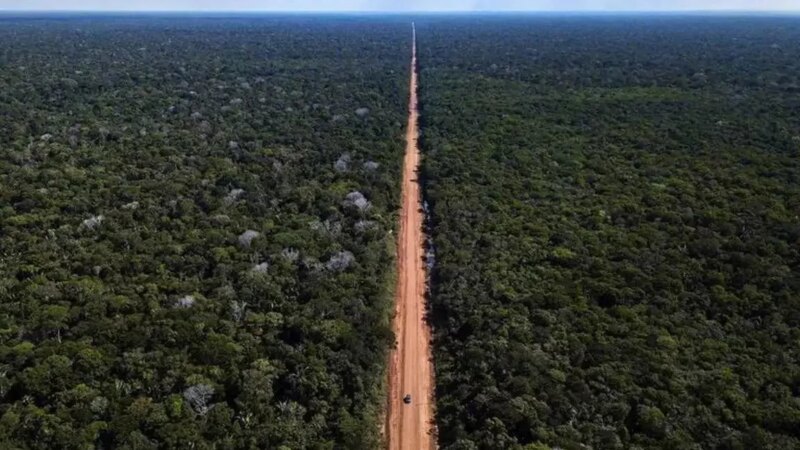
443	11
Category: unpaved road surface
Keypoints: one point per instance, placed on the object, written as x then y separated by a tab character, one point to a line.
410	426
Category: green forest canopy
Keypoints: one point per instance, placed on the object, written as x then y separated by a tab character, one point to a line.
195	220
615	216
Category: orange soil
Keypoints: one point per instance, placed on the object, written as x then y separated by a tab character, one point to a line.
411	366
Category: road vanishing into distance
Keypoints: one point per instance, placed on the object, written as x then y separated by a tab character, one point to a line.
410	425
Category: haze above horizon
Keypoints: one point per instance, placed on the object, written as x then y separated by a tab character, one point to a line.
405	6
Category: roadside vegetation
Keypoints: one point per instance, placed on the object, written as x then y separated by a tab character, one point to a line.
195	217
615	217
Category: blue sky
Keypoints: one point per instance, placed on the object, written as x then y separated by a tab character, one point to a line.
404	5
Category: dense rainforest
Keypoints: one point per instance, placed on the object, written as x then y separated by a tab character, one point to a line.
195	229
614	211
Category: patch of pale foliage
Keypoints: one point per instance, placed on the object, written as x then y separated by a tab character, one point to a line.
261	268
198	397
364	225
290	254
343	163
340	261
238	309
246	238
233	195
356	199
187	301
93	222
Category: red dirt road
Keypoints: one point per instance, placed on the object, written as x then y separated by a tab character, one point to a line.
410	426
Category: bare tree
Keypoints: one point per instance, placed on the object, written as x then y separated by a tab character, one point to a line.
261	267
247	237
343	163
238	309
290	254
93	222
340	261
198	397
233	195
356	199
186	301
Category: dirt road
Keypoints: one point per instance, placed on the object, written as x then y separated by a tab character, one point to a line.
411	369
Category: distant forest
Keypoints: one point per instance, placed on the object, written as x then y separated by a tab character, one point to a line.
615	216
195	218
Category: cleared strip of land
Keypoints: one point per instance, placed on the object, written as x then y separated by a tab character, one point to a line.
411	370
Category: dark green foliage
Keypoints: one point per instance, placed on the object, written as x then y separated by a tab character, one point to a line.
135	312
615	212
